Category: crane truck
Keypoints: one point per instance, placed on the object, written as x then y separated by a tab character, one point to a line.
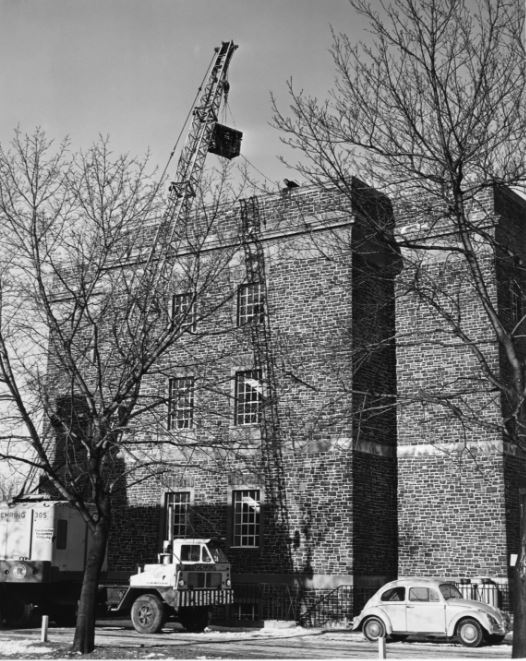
43	548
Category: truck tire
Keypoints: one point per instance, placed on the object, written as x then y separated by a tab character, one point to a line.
148	614
18	614
194	619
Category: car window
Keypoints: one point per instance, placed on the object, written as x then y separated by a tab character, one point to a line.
423	594
394	594
450	591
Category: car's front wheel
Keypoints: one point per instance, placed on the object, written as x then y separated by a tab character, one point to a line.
469	632
373	628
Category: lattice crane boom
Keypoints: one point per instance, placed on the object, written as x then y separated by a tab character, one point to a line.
205	115
191	162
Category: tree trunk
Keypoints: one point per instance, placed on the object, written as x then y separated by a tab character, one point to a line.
519	595
84	640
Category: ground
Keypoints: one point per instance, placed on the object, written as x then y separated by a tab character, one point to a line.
119	641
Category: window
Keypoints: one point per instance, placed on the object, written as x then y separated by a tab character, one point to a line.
183	312
394	594
181	402
423	594
450	591
191	553
195	553
246	509
177	507
250	303
248	397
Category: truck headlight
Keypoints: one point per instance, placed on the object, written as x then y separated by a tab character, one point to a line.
19	571
181	583
227	582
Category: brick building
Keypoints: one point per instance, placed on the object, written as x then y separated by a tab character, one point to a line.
285	427
297	429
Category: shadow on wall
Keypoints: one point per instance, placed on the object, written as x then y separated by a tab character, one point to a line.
138	532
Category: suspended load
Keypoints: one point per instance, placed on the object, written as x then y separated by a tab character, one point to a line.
225	141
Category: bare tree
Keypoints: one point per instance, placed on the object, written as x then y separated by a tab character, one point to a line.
90	264
431	111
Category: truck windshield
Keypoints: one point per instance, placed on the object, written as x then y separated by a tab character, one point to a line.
190	553
450	591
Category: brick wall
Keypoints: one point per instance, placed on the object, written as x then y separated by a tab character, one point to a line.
457	482
329	282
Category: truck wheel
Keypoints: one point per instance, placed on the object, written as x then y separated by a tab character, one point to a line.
18	614
194	619
148	614
470	632
373	628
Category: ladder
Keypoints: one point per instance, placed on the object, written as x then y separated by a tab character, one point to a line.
261	340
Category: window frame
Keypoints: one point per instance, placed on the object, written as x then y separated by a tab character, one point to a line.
182	306
178	413
250	303
185	513
243	528
248	411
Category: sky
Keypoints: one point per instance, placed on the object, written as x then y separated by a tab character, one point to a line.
130	69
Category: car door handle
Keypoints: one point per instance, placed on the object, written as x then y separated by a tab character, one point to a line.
411	606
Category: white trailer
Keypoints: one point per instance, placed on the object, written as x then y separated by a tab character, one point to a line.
43	547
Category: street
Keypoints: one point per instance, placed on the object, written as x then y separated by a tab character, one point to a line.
119	640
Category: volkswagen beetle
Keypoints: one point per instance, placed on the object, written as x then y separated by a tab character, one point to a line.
429	606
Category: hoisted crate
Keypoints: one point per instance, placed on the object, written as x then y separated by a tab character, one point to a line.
225	142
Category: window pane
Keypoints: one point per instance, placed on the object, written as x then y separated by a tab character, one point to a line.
394	594
181	403
183	311
248	397
250	303
190	553
246	506
179	502
419	594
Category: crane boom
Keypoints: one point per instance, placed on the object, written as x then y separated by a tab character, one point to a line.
183	190
205	114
